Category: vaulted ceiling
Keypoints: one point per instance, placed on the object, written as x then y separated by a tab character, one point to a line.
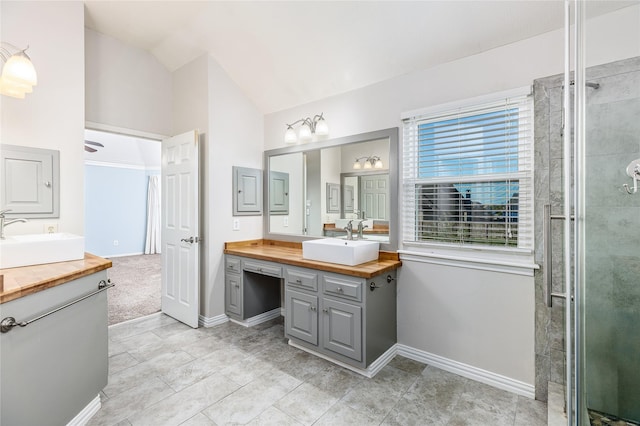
287	53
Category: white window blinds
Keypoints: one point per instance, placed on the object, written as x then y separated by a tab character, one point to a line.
468	175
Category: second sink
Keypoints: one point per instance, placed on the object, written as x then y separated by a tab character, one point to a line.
343	252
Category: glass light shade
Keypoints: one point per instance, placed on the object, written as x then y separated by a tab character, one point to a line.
304	134
19	69
321	128
290	136
378	164
15	90
367	164
356	165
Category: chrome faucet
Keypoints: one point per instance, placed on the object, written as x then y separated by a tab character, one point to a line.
4	222
360	229
349	229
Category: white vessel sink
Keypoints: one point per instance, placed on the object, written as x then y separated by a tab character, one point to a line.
343	252
35	249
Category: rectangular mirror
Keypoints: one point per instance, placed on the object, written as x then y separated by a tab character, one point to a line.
314	205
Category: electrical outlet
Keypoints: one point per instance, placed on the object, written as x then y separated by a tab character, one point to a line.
236	224
116	242
50	228
285	221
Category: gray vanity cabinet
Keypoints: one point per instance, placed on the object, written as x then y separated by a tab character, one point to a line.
252	288
340	316
233	287
342	328
302	316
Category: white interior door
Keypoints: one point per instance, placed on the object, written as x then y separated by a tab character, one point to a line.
180	228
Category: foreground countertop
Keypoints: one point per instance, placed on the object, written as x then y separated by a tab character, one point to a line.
290	253
25	280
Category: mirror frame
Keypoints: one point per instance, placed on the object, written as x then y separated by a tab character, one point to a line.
392	134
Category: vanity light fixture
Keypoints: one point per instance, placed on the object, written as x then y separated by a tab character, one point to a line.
18	73
310	126
370	162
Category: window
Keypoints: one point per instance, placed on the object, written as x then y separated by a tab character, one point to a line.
467	175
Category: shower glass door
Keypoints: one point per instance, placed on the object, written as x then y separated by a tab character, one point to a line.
607	293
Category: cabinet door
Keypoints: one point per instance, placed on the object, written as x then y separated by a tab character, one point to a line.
333	198
30	181
342	328
233	294
247	191
348	196
279	193
301	321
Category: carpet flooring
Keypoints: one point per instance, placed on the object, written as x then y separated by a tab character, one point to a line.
138	283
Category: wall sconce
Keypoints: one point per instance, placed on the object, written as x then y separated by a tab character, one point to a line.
310	126
18	74
370	162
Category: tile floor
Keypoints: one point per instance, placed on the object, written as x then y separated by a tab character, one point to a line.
162	372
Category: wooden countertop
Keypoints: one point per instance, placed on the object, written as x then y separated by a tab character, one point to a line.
290	253
25	280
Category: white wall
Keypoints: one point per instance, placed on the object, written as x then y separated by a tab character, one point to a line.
52	117
236	139
482	319
126	87
205	98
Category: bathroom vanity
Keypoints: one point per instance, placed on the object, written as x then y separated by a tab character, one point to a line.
346	314
53	362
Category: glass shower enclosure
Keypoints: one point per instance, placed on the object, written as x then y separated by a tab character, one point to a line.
605	316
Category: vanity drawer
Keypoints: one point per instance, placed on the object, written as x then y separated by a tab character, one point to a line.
304	279
263	268
233	264
341	287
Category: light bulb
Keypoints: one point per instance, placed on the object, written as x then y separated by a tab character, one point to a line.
321	128
19	69
290	136
15	90
304	134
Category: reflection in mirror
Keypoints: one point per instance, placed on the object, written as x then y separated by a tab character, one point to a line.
315	205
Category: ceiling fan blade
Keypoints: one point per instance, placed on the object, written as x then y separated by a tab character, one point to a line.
94	143
89	149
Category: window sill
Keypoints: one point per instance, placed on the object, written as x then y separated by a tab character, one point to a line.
518	263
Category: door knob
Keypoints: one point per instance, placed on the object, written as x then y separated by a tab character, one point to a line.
189	240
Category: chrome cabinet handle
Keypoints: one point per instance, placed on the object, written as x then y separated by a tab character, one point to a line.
339	289
299	281
312	308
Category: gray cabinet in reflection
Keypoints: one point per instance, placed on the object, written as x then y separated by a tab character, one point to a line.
348	198
278	193
333	197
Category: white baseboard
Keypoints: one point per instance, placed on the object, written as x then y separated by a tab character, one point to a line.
468	371
258	319
109	256
83	417
212	321
369	372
